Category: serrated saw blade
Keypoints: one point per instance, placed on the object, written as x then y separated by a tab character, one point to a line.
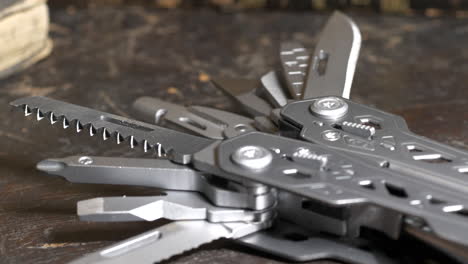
177	145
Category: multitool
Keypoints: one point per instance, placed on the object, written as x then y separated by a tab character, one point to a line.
302	176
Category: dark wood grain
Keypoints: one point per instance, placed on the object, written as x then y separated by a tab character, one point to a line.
106	58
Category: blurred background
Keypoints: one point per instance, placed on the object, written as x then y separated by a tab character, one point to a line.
25	23
407	7
104	54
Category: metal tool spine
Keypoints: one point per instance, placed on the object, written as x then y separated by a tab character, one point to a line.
300	178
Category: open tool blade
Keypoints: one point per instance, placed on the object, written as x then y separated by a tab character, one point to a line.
177	145
334	60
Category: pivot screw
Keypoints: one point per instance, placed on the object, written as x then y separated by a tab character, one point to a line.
85	160
252	157
331	135
330	107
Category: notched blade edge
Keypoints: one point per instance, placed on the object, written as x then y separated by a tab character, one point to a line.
177	145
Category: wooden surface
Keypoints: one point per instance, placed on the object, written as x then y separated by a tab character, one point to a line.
106	58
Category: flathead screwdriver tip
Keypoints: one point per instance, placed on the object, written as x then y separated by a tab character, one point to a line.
50	165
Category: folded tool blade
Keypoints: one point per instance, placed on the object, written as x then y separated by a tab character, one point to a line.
177	145
244	91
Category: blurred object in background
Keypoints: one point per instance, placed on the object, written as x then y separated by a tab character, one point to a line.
429	8
24	26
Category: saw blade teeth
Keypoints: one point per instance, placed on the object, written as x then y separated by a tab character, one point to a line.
92	130
146	146
144	136
132	142
78	126
159	150
65	123
27	110
39	115
105	134
119	138
52	118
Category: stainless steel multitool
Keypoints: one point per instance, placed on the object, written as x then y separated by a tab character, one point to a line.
301	178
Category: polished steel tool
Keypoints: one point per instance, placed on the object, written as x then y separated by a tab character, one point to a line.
308	174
